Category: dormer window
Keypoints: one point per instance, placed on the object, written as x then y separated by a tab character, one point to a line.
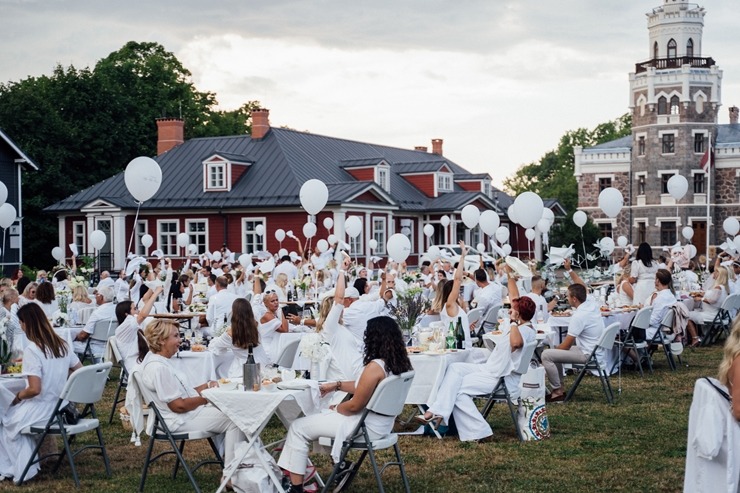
444	182
221	172
383	176
216	176
486	188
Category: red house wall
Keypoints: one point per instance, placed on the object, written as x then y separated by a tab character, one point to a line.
362	174
470	186
425	183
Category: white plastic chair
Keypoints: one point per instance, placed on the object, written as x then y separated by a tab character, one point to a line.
606	342
387	400
640	324
722	321
122	378
428	319
286	358
103	330
83	315
491	318
664	338
84	386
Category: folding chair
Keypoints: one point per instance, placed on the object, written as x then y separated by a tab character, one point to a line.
84	386
286	358
634	339
122	378
160	432
490	319
664	338
722	321
83	315
102	331
606	342
501	393
474	316
387	400
427	319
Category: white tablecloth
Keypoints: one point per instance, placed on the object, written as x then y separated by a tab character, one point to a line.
198	366
430	369
9	386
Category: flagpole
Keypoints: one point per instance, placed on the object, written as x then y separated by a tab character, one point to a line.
708	170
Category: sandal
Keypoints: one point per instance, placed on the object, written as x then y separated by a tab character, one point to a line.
434	420
696	343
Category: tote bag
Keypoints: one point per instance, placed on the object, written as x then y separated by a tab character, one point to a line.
532	414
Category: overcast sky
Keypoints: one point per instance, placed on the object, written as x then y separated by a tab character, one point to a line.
499	81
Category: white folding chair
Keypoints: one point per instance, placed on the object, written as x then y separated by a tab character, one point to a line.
103	330
663	337
490	320
387	400
84	386
122	378
606	343
501	393
83	315
474	316
722	321
286	358
427	319
634	339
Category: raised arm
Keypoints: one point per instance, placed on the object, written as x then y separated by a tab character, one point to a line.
573	274
340	287
451	300
150	297
511	283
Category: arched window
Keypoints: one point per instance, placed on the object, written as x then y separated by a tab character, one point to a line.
690	48
662	105
674	105
655	51
672	48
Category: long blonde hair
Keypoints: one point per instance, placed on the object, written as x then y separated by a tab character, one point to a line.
624	275
324	310
731	351
439	301
721	280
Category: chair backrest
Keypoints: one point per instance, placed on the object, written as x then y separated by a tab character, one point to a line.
607	338
86	384
474	315
527	354
492	315
668	319
249	297
731	302
104	330
83	314
286	358
642	318
390	394
427	319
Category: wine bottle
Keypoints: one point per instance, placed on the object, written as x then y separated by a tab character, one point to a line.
460	334
450	340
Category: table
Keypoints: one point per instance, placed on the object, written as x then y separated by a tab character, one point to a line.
430	370
287	404
9	386
178	317
198	366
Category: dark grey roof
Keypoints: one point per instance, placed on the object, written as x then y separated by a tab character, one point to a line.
621	143
27	161
282	161
472	176
340	193
455	201
554	203
420	166
356	163
728	134
237	158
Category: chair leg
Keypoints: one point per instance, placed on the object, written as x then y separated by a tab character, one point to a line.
106	461
374	463
145	470
609	386
31	459
181	460
401	466
177	463
116	401
216	452
573	387
604	386
70	456
515	418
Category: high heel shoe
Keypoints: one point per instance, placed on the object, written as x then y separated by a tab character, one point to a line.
434	421
696	343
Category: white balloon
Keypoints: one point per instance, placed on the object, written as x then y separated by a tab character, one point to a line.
3	193
182	240
280	234
529	207
470	215
549	215
607	245
445	220
489	222
331	239
282	252
731	226
530	234
328	223
147	240
399	247
692	251
97	239
373	244
428	230
543	225
322	245
688	232
511	212
433	252
677	186
506	249
622	241
245	260
143	176
193	249
57	253
353	226
580	218
502	234
611	201
314	195
7	215
481	248
259	229
736	241
309	230
216	255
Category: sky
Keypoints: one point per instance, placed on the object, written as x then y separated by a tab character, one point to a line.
500	81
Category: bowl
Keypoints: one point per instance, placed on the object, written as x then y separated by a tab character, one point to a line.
269	387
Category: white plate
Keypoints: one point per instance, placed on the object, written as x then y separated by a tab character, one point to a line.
298	384
13	375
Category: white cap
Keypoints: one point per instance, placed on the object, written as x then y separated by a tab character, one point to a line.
351	292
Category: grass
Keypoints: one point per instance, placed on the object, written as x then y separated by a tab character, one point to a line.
637	444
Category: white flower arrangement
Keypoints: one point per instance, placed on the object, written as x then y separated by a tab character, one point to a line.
59	318
75	281
6	342
313	347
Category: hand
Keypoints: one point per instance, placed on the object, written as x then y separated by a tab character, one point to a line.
567	264
327	387
463	248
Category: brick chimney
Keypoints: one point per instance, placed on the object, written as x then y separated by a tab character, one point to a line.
437	146
260	123
421	148
170	133
734	111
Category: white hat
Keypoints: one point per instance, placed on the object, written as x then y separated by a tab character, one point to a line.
351	292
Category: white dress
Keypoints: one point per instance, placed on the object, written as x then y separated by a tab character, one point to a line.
128	342
444	317
645	284
16	449
224	344
623	299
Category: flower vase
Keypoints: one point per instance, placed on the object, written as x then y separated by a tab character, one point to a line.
318	370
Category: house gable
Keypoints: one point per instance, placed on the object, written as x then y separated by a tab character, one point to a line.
221	172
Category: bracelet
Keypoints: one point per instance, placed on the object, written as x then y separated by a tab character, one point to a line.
339	385
569	271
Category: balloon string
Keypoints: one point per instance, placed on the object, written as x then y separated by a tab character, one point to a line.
133	230
585	255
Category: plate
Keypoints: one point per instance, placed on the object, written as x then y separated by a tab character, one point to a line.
298	384
434	353
13	375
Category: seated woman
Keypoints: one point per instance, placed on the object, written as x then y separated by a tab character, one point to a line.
80	299
129	336
46	298
47	361
385	353
625	291
241	337
462	381
453	310
272	324
28	294
711	302
729	368
9	312
180	403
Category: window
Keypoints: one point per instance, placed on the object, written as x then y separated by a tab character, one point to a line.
606	229
662	105
379	234
475	236
664	182
674	105
487	188
252	241
383	178
197	230
641	185
667	232
78	236
699	143
690	48
672	48
668	144
444	182
167	232
641	232
141	229
641	145
604	182
655	50
698	182
216	176
357	244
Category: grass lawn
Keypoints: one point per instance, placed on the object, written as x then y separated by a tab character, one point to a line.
637	444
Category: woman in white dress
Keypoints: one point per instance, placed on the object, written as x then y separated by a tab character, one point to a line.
46	298
129	336
47	361
80	299
452	309
643	274
711	302
272	324
384	354
625	291
239	338
28	294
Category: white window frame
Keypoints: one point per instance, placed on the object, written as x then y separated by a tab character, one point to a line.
380	170
661	133
411	236
444	179
357	244
637	179
486	188
380	233
202	247
79	239
140	250
705	134
168	245
256	242
211	168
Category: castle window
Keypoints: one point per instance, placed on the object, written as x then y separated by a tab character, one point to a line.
641	232
672	48
604	182
674	105
641	185
668	144
606	229
662	105
655	50
668	232
664	182
699	183
641	145
690	48
699	143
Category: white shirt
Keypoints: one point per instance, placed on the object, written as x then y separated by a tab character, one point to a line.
359	312
586	325
344	348
488	296
662	302
120	287
127	340
219	305
287	268
541	306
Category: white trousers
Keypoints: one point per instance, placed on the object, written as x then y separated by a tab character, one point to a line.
553	359
211	419
301	433
461	382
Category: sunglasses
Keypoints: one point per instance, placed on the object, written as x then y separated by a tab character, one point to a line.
271	291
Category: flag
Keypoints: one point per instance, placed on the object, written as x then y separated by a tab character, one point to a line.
706	160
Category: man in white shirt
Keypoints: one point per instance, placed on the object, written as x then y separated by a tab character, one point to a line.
488	293
584	331
285	267
219	305
121	287
357	313
106	310
105	280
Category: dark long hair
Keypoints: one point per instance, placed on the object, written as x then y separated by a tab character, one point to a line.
45	293
244	331
39	331
123	310
645	254
383	340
